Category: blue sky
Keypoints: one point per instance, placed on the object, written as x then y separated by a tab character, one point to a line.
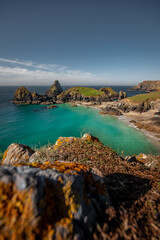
91	42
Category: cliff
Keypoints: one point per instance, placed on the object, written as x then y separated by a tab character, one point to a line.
66	192
147	86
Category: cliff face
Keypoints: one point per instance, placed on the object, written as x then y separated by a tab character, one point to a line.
147	86
54	90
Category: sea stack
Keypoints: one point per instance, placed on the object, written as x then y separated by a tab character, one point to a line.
54	90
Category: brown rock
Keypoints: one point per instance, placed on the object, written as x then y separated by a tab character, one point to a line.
17	153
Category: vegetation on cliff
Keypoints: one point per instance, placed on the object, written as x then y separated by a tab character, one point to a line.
85	91
145	97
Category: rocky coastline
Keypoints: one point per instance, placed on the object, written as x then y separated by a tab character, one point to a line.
55	94
140	110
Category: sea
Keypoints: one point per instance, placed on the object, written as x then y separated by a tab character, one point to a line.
36	126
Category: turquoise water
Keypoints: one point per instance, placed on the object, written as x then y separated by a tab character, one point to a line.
35	125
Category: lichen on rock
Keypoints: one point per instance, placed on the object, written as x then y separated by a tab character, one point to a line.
50	201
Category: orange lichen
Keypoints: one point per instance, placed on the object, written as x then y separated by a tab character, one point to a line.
63	140
4	156
16	213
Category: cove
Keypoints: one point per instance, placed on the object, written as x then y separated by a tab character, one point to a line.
34	125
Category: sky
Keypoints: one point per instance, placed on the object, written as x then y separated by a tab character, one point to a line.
79	42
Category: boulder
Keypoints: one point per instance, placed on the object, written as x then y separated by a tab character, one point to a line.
58	201
89	137
54	90
111	111
17	153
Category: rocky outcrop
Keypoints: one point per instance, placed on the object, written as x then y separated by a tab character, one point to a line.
110	92
54	90
127	106
111	111
51	201
147	86
24	96
17	153
122	95
70	96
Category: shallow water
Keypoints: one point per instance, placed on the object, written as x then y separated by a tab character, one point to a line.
34	125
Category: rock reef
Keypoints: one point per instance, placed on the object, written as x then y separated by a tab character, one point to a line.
24	96
56	94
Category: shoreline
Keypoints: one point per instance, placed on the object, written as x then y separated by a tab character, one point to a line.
127	118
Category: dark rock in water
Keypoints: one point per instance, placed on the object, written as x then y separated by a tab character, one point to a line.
111	111
24	96
58	201
51	107
54	90
122	95
74	105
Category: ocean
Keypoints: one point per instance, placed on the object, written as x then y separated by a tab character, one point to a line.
35	126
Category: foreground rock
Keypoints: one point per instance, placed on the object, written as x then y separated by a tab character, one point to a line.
50	201
17	153
147	86
54	90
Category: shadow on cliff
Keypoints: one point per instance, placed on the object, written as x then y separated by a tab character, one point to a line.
125	189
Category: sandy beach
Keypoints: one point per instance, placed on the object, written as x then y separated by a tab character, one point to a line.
145	122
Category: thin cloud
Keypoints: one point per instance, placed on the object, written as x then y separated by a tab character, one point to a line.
31	73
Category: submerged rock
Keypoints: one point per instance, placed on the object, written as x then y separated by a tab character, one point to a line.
17	153
51	107
58	201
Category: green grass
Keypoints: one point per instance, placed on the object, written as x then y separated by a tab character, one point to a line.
144	97
85	91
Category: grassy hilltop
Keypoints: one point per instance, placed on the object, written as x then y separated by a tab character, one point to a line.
90	92
145	96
